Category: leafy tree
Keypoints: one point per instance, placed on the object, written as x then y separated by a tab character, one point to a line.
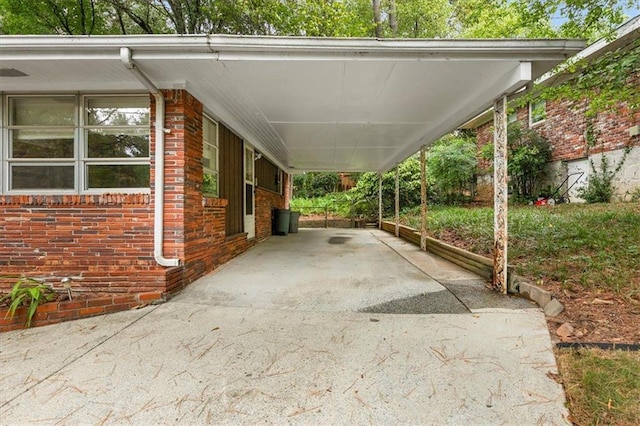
499	19
528	152
315	184
367	187
451	164
54	16
590	19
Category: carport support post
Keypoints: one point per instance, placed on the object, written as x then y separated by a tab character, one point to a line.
380	200
397	215
423	199
500	195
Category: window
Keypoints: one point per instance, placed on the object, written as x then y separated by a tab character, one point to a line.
116	131
42	146
210	158
537	112
512	118
73	144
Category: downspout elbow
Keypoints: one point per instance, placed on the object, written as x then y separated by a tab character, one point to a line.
158	217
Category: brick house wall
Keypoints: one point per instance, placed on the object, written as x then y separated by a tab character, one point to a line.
565	129
266	201
108	239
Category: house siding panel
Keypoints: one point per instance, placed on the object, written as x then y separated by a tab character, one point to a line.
231	179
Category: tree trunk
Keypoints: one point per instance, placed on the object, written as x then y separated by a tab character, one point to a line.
393	18
376	18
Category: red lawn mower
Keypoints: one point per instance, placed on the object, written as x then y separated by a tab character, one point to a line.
556	197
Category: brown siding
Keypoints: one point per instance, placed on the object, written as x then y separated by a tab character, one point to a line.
267	174
231	179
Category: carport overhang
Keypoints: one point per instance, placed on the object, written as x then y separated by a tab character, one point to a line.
308	104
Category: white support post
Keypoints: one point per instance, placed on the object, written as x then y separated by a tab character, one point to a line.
397	209
380	200
500	196
423	199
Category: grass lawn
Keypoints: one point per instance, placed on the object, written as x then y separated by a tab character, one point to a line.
582	253
593	246
602	387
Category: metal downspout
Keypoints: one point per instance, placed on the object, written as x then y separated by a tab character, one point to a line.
158	204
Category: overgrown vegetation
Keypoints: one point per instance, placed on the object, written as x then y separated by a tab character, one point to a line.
595	246
315	184
599	187
528	153
602	387
30	293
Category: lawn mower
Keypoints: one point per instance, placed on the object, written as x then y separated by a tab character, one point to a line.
556	197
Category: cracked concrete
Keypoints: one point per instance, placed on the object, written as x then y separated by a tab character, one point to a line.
275	337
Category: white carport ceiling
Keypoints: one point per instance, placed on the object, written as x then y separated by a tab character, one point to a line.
308	104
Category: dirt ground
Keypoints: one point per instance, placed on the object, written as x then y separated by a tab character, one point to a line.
596	316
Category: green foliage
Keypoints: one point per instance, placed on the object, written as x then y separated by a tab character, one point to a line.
603	387
422	19
500	19
210	185
590	19
367	188
590	245
27	292
451	165
315	184
335	204
599	187
605	82
528	152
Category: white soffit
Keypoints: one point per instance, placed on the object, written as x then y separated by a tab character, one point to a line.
308	104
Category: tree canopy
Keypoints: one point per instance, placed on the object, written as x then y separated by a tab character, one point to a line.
603	81
340	18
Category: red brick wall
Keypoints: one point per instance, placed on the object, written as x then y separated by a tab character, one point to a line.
108	239
266	201
565	128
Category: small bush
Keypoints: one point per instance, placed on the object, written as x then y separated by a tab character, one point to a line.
599	187
30	293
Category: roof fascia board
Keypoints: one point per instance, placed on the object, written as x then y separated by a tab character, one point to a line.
287	48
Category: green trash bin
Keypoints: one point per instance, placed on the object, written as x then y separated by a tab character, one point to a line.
282	220
293	222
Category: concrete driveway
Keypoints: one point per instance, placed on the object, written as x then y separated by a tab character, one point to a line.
319	327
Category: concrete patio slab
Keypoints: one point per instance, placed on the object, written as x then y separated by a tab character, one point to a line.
205	359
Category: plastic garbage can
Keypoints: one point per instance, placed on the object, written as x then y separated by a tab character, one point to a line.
282	220
293	222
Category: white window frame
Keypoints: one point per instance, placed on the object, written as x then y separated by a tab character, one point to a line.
80	162
86	161
532	105
8	161
213	142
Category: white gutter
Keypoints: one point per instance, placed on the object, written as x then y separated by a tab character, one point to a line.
158	204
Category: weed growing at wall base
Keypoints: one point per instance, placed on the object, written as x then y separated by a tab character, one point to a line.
30	293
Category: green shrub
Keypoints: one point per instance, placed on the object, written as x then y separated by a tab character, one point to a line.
599	187
30	293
